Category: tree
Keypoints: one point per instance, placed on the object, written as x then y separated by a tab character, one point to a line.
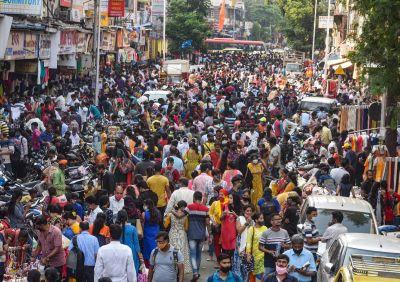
299	24
378	53
186	21
267	19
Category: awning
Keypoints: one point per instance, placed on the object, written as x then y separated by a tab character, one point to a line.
336	62
343	65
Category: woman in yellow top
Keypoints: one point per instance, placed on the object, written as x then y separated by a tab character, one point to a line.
292	182
256	169
192	159
215	214
253	237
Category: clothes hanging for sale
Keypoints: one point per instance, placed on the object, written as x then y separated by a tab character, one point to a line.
354	118
392	173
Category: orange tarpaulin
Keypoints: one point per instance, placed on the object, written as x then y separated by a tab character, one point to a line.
221	19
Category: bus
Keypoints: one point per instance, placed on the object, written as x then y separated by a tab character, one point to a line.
230	44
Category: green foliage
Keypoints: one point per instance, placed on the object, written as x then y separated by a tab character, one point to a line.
378	47
299	24
186	21
267	19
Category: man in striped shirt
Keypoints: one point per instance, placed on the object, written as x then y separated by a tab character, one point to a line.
272	243
310	232
199	224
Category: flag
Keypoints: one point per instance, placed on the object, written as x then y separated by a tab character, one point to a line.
221	16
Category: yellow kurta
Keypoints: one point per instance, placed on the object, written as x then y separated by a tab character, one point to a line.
192	159
252	241
257	191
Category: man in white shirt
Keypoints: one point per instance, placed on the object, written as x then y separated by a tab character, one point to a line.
183	193
338	173
335	229
115	260
117	201
93	207
75	139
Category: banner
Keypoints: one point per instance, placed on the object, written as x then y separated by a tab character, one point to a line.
44	46
116	8
21	7
67	42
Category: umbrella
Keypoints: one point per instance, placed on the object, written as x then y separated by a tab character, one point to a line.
38	121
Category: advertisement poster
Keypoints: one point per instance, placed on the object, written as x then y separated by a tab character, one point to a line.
44	46
67	42
116	8
77	10
18	7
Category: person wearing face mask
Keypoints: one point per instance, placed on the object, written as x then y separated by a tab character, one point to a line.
224	272
281	271
301	261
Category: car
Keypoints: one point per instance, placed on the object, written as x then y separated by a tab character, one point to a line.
358	215
310	104
293	69
353	245
154	95
369	268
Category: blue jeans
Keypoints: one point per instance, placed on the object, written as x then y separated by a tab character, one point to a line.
195	247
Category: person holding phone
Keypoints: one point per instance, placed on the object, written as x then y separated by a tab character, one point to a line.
301	261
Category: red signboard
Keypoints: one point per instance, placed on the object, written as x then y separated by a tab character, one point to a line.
116	8
66	3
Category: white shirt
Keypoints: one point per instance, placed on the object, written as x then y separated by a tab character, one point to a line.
338	173
75	139
183	193
115	205
93	214
116	262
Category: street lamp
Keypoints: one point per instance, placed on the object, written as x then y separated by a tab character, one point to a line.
314	30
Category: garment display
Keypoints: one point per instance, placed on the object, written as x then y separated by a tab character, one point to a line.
392	173
355	117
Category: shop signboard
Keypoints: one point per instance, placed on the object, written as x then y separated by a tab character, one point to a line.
116	8
104	20
21	7
325	22
21	46
44	46
66	3
67	42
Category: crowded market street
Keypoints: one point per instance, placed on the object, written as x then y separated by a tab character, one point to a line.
161	141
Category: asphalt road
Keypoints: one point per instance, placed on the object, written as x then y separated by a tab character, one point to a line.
207	268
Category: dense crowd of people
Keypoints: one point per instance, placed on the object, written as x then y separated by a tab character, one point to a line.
203	168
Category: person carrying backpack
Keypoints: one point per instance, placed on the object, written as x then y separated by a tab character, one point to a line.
166	262
83	250
268	206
